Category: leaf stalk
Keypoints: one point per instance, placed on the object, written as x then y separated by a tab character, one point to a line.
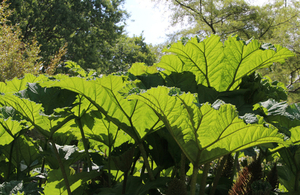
146	162
204	177
62	168
218	175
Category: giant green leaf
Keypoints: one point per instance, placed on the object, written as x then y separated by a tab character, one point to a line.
50	98
280	114
69	154
11	187
33	113
16	187
8	129
221	66
138	69
23	152
98	128
83	106
55	183
287	178
28	109
147	76
136	186
287	119
205	133
17	84
134	117
295	135
290	157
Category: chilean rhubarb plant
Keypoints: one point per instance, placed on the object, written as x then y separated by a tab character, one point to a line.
142	129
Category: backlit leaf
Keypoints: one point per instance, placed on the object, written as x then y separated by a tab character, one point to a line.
16	84
8	129
205	133
221	66
133	116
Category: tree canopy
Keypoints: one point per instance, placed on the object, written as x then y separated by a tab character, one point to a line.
90	27
129	50
205	17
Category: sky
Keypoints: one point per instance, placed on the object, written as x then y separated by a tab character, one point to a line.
147	19
151	20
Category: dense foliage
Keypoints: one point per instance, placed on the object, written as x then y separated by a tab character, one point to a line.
91	31
163	129
129	50
17	57
90	28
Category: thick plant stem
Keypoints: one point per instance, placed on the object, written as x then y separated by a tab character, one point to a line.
109	167
42	171
43	165
10	159
174	171
62	168
182	167
84	140
146	162
124	182
194	179
204	177
218	175
236	161
297	181
18	166
134	162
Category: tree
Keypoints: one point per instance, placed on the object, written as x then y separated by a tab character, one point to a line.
17	57
205	17
89	27
129	50
288	35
